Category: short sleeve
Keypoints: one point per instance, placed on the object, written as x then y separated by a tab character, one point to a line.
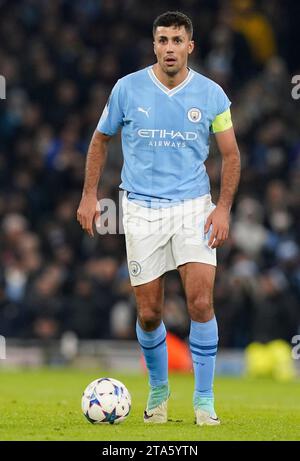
112	115
222	102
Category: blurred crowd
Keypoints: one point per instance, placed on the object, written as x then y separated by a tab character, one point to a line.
60	59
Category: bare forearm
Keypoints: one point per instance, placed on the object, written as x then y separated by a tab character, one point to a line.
95	163
230	177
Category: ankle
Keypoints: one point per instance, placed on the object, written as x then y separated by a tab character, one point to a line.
202	402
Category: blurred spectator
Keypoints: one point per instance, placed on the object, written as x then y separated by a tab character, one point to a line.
248	232
256	27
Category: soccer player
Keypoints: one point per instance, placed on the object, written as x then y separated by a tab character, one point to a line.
167	112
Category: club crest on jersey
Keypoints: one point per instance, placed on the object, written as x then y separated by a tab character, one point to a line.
134	268
194	115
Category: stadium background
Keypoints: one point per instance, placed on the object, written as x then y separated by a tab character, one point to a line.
60	60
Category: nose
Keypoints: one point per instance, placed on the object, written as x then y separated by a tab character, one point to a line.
170	47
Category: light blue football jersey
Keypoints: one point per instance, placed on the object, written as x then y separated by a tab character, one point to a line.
165	134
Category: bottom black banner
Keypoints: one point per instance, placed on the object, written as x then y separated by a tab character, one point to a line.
124	449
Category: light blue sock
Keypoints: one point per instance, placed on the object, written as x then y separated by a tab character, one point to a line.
154	348
203	345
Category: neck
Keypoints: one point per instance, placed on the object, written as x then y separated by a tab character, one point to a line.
170	81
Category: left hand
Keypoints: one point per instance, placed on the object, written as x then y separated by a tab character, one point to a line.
219	220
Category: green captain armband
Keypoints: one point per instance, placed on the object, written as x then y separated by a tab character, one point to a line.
222	122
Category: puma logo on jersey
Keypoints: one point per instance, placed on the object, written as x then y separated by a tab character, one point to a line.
144	111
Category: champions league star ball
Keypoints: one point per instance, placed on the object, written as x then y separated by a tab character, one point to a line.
106	400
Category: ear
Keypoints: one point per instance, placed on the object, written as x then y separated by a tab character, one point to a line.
154	48
191	46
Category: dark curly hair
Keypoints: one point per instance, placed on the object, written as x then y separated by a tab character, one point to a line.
173	18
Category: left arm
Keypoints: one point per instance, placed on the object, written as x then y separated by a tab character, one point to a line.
230	176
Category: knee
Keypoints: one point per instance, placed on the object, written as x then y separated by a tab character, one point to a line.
200	308
149	319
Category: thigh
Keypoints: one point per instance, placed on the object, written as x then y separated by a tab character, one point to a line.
198	281
150	296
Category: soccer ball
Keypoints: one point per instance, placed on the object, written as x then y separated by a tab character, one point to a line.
106	400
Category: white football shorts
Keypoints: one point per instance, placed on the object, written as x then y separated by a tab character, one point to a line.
159	240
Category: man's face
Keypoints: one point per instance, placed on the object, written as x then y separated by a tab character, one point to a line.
172	45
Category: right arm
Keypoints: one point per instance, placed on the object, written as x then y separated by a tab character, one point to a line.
95	162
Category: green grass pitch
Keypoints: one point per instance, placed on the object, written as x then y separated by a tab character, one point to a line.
45	405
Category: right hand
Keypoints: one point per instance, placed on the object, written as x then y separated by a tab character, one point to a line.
87	213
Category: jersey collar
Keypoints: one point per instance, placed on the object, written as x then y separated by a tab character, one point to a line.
165	89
